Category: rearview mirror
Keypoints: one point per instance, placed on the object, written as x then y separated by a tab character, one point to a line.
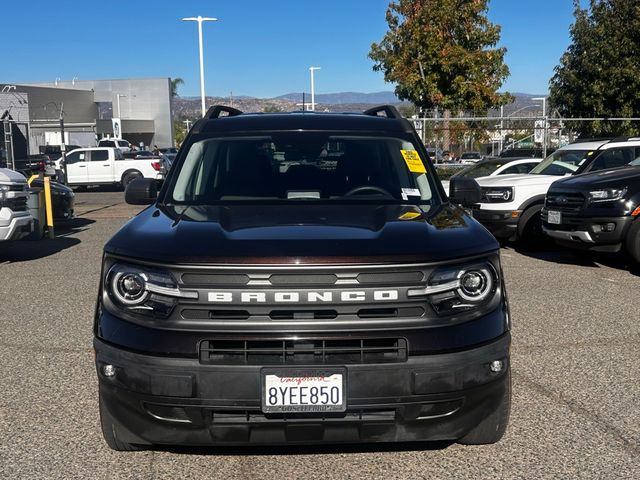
141	191
464	191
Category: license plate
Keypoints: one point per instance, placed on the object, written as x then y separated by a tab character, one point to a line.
554	218
304	390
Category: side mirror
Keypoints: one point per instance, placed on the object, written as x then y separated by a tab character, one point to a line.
141	191
464	191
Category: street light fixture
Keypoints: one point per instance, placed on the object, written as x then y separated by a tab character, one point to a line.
313	88
201	19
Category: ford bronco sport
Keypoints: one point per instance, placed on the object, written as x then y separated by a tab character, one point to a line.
302	278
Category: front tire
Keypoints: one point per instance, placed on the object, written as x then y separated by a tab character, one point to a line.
110	431
633	241
492	428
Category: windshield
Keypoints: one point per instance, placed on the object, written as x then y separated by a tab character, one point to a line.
302	167
562	162
472	155
482	169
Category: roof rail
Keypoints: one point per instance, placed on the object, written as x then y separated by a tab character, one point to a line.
624	139
389	110
217	110
585	140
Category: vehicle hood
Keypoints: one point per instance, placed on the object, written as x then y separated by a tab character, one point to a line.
602	178
10	176
512	180
299	234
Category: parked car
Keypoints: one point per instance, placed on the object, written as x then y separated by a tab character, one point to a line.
470	157
62	199
120	143
30	165
169	152
597	211
351	300
104	166
510	205
16	221
525	152
495	166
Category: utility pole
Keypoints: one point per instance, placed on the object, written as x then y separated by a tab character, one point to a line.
501	129
63	147
544	130
187	124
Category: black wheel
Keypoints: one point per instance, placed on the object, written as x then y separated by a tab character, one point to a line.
492	428
129	177
632	242
110	432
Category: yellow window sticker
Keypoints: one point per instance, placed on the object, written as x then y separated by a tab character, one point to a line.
413	161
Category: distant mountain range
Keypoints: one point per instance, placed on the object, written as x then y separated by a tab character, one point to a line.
344	98
189	107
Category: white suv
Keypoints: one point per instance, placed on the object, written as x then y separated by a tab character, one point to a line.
123	145
511	204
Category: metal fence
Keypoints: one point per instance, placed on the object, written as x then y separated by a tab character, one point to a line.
491	135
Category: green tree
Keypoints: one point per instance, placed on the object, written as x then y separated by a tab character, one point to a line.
175	83
599	74
271	108
443	54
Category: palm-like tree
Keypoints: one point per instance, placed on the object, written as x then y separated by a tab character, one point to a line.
175	83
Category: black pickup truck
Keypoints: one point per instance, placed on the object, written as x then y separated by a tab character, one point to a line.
302	278
597	211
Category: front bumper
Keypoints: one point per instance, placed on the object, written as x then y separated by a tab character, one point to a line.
178	401
587	232
501	223
14	225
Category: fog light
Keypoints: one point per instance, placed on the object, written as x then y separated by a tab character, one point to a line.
496	366
608	227
109	370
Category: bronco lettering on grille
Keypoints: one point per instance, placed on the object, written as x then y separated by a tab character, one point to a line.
306	297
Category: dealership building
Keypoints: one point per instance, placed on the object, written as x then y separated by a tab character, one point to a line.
30	113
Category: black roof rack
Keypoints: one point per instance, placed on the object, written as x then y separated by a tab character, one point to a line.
217	110
389	110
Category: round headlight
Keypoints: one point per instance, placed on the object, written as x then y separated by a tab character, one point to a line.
129	288
475	284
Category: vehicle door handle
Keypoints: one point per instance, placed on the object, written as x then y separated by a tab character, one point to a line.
82	166
106	165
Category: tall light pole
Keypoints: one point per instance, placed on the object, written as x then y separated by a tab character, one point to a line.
313	88
544	130
200	19
118	97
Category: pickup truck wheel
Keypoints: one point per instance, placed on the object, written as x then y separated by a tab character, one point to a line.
633	241
531	230
110	432
129	177
492	428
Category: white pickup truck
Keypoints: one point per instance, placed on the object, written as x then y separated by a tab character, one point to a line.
105	165
511	204
15	219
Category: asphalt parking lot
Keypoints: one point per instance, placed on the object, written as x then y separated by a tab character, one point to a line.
576	373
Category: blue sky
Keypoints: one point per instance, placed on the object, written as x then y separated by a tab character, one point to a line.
259	47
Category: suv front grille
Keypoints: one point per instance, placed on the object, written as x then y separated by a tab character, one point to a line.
568	201
303	352
16	204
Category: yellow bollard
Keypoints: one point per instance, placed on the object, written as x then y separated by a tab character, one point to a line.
47	201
